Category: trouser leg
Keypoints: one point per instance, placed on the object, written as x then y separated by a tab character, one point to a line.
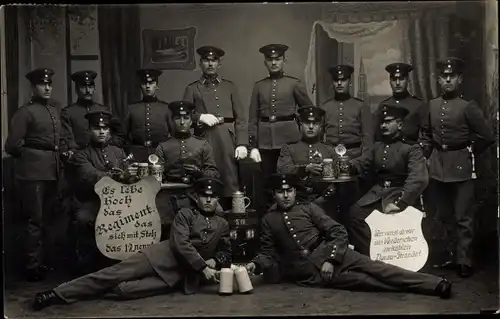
352	280
394	276
53	224
86	249
463	202
358	230
141	288
268	167
347	195
32	193
135	267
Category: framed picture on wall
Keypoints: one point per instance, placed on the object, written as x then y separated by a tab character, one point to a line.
169	49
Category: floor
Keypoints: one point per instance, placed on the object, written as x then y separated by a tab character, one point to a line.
470	296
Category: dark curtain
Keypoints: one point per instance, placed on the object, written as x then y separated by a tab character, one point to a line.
12	57
120	45
326	56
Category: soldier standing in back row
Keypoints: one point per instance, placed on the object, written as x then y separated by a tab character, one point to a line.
348	122
33	141
459	133
146	123
220	118
273	106
416	124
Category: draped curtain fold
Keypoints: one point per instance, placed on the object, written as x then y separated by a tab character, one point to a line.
120	43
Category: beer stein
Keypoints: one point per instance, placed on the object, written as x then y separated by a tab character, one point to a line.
239	206
156	171
243	280
343	162
226	281
328	172
143	170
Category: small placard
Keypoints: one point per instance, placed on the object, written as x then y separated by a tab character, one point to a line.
397	239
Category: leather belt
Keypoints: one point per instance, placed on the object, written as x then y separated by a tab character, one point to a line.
392	182
447	148
223	120
41	147
274	118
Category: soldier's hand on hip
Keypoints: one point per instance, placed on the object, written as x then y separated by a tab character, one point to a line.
250	268
327	271
210	263
209	119
255	155
391	208
315	169
240	152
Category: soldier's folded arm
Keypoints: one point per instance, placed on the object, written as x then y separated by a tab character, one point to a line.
253	118
363	164
267	256
67	135
180	240
86	172
286	164
334	234
17	132
223	252
300	95
240	118
417	180
483	134
209	168
366	121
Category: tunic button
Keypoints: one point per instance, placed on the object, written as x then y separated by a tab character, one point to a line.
332	255
218	105
383	165
385	152
288	223
310	146
442	114
341	108
105	155
149	129
147	118
341	113
385	159
215	90
56	148
397	101
341	103
340	126
147	104
286	217
386	146
216	97
294	235
147	124
340	120
291	228
107	162
445	102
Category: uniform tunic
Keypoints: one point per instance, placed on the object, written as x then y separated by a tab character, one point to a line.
75	127
401	177
296	243
277	97
146	122
416	123
195	238
33	142
221	99
348	122
293	160
175	152
456	124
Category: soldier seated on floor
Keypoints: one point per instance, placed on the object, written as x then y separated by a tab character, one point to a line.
184	157
92	163
305	159
199	245
300	243
401	174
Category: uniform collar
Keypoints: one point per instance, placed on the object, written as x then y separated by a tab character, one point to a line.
450	96
312	142
277	75
99	146
85	102
39	100
342	97
400	96
393	138
181	136
216	79
149	98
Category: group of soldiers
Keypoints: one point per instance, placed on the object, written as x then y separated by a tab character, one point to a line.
397	152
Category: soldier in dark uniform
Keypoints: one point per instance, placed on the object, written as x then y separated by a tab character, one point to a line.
75	128
199	244
459	132
33	142
184	157
401	176
220	118
146	123
92	163
300	243
273	106
416	124
348	122
304	159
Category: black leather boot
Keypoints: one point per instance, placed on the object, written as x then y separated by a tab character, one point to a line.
45	299
443	289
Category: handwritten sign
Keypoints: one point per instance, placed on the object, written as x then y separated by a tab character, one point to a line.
397	239
128	220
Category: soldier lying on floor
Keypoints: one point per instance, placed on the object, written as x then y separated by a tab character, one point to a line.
300	243
199	244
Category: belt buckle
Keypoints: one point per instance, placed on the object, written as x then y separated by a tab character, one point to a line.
56	148
220	119
444	147
272	118
147	143
387	184
304	252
